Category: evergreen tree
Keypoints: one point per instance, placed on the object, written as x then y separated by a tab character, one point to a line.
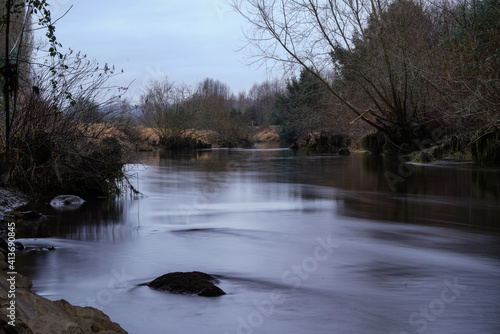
301	109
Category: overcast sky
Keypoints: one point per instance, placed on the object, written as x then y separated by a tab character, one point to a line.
188	40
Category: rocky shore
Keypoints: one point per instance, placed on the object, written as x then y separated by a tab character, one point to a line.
25	312
9	200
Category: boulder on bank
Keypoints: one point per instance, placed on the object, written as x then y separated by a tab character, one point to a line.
66	202
35	314
195	283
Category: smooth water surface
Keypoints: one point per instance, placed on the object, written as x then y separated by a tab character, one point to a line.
301	243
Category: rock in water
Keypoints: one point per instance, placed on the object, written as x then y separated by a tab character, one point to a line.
196	283
66	202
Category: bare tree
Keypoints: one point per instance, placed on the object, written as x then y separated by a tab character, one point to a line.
168	109
261	100
48	144
56	146
217	107
379	49
467	73
213	88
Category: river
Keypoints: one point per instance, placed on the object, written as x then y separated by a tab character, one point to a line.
302	243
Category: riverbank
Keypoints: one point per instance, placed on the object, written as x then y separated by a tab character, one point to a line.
147	139
9	200
23	311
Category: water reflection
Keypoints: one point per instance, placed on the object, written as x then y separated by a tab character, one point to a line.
254	216
94	220
183	186
441	193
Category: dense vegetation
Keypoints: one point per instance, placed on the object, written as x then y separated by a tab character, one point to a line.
406	75
187	119
55	112
406	68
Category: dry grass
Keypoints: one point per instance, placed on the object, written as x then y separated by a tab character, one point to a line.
266	135
147	138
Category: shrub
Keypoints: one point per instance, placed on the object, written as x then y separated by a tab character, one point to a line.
374	143
486	149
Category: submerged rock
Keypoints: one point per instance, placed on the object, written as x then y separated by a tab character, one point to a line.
66	202
42	249
195	283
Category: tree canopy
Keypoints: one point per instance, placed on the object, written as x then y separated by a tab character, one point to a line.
405	67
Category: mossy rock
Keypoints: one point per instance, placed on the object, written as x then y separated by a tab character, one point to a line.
423	157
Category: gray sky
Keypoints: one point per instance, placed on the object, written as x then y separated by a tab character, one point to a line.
188	40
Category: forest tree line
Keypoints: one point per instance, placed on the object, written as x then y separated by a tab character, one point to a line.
180	114
400	70
404	67
393	71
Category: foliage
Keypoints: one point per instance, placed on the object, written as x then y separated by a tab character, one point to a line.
55	147
423	157
389	62
486	149
470	73
374	142
404	67
15	20
328	143
53	133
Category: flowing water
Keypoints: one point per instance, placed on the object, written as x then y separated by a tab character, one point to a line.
301	243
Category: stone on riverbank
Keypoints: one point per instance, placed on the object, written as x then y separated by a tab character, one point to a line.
35	314
38	315
66	202
10	200
195	283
